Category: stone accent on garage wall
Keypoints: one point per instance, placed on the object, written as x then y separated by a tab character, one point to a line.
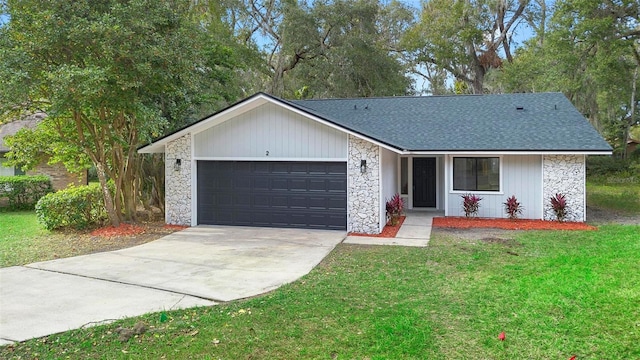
178	182
363	192
564	174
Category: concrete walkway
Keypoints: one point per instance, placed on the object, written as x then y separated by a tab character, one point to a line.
199	266
415	231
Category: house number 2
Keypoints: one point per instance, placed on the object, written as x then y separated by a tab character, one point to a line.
267	154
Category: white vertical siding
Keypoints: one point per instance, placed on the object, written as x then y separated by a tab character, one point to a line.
389	180
521	176
283	133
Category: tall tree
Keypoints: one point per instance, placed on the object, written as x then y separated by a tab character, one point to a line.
108	78
332	48
590	53
361	55
467	38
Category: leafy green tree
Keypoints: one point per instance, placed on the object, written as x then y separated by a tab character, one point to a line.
467	38
590	53
332	48
110	75
361	55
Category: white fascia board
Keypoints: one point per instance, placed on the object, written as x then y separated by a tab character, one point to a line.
476	153
152	148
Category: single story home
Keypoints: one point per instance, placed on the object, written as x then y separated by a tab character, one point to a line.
333	163
60	177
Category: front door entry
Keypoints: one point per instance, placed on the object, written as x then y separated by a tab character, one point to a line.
424	182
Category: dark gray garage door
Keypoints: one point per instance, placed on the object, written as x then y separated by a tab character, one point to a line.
275	194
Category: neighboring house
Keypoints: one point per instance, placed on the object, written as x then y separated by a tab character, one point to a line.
332	164
60	177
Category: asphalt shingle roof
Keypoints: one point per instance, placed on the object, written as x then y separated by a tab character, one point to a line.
11	128
505	122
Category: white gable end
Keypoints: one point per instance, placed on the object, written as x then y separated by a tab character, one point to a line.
270	132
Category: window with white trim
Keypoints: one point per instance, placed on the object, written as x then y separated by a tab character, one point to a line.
476	174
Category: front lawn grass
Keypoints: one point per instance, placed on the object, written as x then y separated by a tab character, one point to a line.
621	197
554	293
22	239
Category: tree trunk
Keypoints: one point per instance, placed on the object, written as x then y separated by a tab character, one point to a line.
114	217
627	127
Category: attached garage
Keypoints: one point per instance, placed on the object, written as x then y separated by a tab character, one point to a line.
273	194
333	163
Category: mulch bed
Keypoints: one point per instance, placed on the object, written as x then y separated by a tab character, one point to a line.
508	224
389	231
122	230
131	230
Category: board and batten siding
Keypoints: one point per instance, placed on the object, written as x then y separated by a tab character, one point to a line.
389	181
270	132
521	176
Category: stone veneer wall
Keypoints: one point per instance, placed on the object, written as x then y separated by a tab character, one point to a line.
178	183
363	192
564	174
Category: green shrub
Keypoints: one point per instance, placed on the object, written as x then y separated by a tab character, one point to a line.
606	165
24	191
606	169
78	207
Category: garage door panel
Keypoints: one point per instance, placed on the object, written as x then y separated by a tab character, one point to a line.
299	168
279	184
318	185
279	168
242	201
261	167
260	183
298	185
298	202
279	194
222	199
337	186
316	202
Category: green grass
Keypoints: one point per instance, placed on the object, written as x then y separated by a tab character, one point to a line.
622	197
554	293
22	239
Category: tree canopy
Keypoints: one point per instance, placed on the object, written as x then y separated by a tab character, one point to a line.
108	79
114	74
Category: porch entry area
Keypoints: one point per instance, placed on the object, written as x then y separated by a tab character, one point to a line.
421	181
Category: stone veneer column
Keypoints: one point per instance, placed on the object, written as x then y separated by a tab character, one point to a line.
564	174
363	192
178	183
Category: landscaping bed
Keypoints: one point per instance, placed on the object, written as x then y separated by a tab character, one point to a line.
508	224
389	231
24	241
132	230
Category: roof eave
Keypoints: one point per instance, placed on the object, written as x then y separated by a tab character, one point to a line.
508	152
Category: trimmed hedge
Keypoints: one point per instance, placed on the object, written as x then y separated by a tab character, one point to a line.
24	191
77	207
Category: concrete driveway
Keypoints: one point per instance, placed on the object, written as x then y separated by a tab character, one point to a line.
199	266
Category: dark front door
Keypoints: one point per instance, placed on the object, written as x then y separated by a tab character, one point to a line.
273	193
424	182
